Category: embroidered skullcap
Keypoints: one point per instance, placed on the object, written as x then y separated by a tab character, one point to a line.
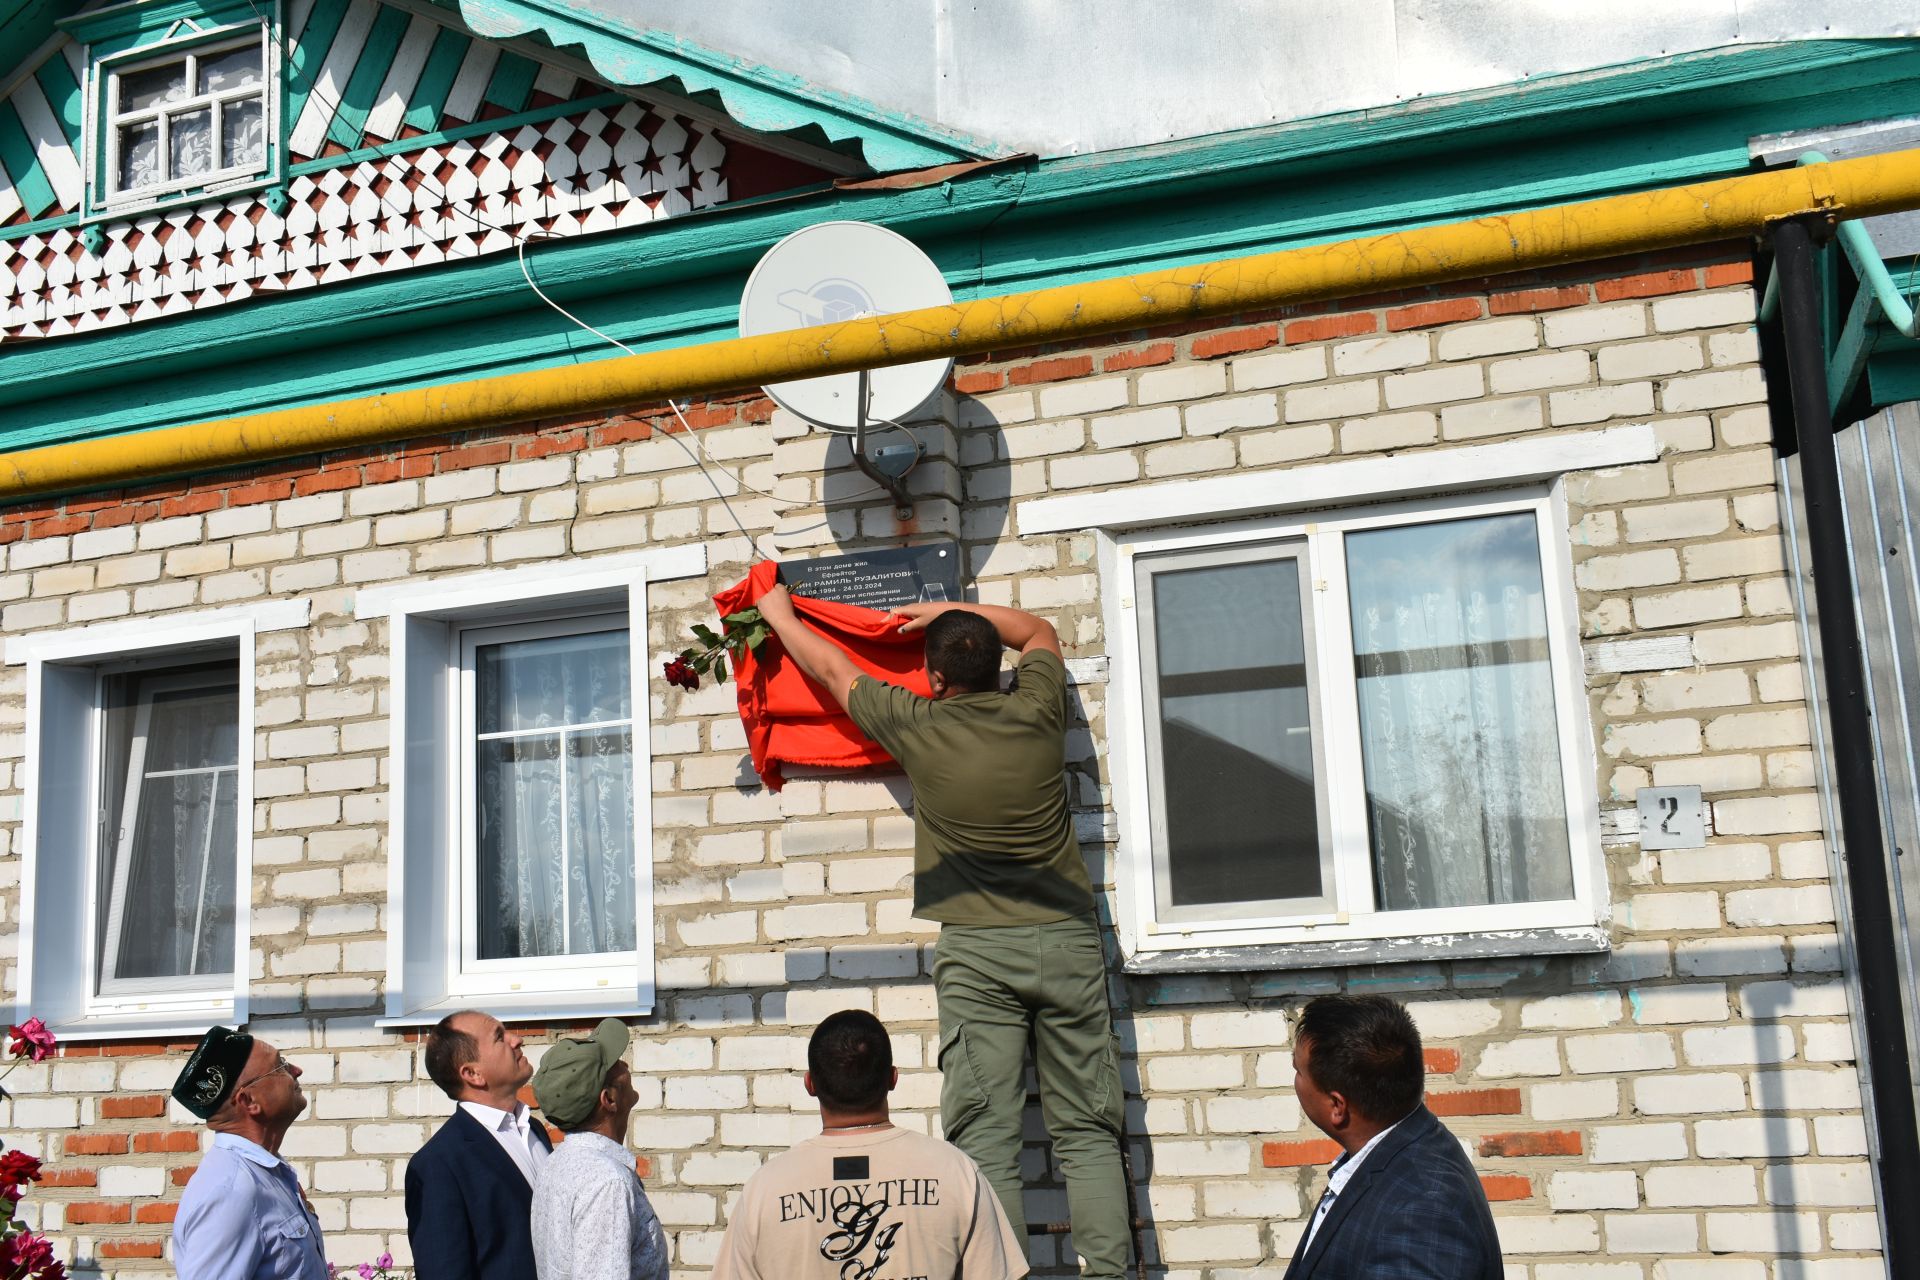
212	1070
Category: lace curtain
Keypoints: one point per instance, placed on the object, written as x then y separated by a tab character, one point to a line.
1458	729
194	145
554	781
170	843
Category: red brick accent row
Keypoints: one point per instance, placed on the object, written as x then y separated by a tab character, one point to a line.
972	384
1294	1155
1351	325
1442	1062
1475	1102
69	1178
1725	273
1526	301
136	1106
177	1140
96	1144
1506	1186
179	1177
163	1212
1058	369
132	1248
1424	314
1546	1142
1654	284
1235	341
1139	358
98	1211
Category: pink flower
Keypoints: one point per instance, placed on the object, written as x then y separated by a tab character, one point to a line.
31	1039
384	1261
366	1271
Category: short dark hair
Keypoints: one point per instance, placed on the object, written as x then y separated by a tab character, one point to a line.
964	649
449	1049
1366	1049
851	1061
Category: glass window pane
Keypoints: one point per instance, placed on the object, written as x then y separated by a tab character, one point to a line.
140	156
168	847
190	140
557	680
231	69
1235	734
140	90
600	861
243	135
1458	728
554	843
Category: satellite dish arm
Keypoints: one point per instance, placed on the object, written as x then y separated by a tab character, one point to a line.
902	500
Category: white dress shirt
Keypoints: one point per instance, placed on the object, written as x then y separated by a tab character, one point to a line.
513	1131
1339	1176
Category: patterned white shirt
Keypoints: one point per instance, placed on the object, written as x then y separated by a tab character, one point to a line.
591	1218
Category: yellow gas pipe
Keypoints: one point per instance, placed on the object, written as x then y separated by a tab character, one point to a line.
1695	214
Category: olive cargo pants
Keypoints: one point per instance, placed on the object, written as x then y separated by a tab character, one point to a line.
1000	986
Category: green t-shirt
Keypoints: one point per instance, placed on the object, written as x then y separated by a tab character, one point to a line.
993	841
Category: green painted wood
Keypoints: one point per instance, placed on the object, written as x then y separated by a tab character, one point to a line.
512	82
22	165
500	124
758	96
1021	225
436	81
63	95
307	55
115	28
369	73
21	230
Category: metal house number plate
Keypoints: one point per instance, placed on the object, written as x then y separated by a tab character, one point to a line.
1672	818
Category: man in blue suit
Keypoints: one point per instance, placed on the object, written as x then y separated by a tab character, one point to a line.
470	1188
1401	1203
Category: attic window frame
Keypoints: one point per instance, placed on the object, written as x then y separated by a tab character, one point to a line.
167	32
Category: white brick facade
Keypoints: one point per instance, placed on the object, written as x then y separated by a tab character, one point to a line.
1683	1106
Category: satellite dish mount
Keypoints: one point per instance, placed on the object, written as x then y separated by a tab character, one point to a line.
830	273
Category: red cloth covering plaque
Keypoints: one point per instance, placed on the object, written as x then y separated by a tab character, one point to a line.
791	720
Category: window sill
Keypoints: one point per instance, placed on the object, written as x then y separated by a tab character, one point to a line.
178	1021
1578	940
528	1006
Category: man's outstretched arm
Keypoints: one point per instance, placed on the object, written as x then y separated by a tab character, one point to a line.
1018	629
822	659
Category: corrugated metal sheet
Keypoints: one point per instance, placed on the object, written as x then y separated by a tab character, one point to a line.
1070	76
1879	461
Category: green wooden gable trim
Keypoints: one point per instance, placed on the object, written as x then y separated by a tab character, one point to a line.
760	97
369	73
995	229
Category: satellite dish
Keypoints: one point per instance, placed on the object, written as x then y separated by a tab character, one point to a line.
835	271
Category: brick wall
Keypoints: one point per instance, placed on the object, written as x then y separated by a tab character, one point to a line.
1685	1106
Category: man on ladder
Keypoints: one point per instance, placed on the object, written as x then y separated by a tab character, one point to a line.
997	864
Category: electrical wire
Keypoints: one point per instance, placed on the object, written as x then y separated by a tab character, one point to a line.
521	237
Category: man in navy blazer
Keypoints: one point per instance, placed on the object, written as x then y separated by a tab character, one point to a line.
1402	1202
470	1188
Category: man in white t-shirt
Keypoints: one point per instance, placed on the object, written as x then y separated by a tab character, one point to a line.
866	1200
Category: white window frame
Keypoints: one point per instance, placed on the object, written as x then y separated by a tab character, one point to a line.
101	949
1353	917
477	977
62	781
1311	498
429	848
100	145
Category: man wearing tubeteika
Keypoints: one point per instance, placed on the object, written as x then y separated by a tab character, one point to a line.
243	1215
997	864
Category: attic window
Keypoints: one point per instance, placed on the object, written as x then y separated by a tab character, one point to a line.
186	118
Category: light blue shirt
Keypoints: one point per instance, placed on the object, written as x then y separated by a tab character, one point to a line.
242	1218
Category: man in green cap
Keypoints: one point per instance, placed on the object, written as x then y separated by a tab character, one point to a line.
243	1215
591	1218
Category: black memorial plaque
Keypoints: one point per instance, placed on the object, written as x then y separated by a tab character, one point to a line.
882	579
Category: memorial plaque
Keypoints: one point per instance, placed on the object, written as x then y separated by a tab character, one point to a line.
883	579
